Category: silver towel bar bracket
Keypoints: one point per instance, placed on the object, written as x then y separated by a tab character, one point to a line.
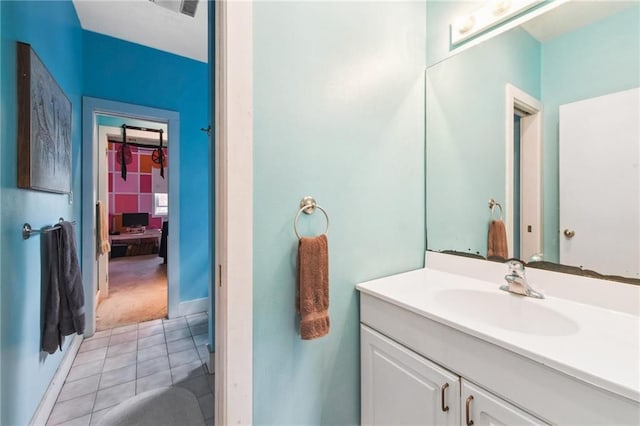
492	205
308	205
27	230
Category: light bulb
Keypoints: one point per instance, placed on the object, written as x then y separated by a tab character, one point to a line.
500	6
465	24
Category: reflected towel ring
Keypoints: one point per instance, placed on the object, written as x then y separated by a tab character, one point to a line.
308	205
492	206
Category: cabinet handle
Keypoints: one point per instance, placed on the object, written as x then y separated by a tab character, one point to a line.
468	403
444	387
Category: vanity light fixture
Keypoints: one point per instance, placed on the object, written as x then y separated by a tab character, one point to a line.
487	16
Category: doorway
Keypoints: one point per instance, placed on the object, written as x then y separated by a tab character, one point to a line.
523	185
132	188
95	267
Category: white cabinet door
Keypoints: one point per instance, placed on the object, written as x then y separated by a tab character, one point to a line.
399	387
480	408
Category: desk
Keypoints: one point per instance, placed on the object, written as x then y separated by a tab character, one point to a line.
132	238
134	244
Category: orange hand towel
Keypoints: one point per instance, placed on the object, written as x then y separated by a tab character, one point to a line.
312	290
102	244
497	241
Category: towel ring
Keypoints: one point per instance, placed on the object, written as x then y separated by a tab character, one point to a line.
308	205
492	206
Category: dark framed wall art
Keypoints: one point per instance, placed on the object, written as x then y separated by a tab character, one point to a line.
44	127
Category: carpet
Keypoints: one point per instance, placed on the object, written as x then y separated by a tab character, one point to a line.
137	292
170	406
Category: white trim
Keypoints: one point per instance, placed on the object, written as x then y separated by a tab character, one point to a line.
90	108
194	306
102	185
515	97
49	398
211	361
234	213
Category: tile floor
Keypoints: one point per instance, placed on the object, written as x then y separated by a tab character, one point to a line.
116	364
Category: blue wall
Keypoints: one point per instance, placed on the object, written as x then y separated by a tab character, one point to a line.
53	30
127	72
339	115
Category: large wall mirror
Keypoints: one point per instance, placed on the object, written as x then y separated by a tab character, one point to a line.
544	119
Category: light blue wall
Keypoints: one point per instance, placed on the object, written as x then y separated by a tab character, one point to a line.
598	59
466	136
440	15
53	30
339	115
126	72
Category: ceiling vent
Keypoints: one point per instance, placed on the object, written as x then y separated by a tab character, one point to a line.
186	7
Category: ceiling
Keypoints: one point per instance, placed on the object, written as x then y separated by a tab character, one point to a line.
572	15
146	23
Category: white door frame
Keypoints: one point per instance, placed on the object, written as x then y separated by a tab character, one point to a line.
234	212
91	107
103	195
531	181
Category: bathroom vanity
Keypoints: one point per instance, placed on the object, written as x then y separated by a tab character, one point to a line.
444	345
443	348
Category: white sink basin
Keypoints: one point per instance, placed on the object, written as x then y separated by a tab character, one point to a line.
507	311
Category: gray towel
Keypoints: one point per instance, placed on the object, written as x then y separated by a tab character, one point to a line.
64	294
51	338
71	290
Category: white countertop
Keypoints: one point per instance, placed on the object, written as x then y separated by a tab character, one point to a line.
596	345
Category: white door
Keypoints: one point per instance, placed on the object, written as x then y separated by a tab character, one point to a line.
530	185
600	184
399	387
485	409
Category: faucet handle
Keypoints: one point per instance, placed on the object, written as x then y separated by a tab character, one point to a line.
516	266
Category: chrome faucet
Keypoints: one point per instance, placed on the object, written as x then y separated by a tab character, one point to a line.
517	280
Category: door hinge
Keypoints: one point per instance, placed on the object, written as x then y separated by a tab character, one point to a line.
219	275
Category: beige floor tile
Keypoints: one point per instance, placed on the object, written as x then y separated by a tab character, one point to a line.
114	395
78	388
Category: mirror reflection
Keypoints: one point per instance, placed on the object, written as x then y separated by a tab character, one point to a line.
544	120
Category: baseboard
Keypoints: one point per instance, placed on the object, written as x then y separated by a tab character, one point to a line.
194	306
211	361
51	395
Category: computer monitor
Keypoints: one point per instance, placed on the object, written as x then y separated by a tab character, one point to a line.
135	220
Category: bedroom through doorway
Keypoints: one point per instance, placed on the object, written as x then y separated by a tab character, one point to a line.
133	174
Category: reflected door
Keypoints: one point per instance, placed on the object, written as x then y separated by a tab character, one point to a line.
599	183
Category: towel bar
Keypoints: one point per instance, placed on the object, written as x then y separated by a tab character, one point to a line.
27	230
308	205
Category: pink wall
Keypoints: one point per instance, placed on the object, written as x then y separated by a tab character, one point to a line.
135	195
